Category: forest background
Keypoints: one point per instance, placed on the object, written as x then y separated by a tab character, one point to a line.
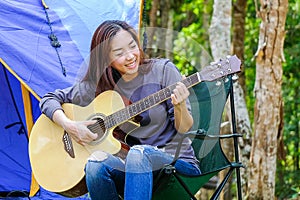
265	35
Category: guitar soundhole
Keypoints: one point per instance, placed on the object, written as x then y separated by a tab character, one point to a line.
99	129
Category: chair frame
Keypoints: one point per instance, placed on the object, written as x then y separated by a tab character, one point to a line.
234	165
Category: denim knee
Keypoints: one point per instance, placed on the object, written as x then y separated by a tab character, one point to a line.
93	168
103	163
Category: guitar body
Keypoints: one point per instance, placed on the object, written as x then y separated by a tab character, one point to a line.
53	168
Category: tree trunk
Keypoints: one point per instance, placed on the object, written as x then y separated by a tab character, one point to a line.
162	36
219	31
220	41
268	105
151	31
220	45
243	121
239	16
159	36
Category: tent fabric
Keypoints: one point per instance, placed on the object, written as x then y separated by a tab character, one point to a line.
14	162
25	44
27	58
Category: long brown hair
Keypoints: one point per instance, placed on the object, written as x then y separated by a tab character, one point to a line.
99	71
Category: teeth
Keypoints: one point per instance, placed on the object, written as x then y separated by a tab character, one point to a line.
130	64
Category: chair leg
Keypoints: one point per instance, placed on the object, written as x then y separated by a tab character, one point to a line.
238	180
222	184
235	140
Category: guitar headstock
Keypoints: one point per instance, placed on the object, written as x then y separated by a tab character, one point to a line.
222	68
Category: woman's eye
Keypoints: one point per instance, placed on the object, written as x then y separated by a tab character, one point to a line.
133	46
119	54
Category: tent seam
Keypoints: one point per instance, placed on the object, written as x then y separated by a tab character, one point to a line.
19	78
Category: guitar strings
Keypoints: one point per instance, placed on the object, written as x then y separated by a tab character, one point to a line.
115	118
98	127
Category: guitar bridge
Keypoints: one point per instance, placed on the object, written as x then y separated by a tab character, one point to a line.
68	145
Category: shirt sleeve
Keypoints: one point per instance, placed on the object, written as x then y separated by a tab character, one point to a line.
80	94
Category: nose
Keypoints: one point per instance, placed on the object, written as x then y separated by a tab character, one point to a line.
129	56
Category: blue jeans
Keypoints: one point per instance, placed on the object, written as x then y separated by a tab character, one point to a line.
108	176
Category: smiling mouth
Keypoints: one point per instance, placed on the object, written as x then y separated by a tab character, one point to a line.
131	64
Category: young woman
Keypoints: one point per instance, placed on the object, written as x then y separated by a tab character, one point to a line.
118	63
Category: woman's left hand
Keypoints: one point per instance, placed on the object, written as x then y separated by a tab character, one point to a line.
180	94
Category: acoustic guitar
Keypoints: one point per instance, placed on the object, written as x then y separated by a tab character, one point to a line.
58	163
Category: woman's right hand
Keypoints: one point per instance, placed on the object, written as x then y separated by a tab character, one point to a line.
78	130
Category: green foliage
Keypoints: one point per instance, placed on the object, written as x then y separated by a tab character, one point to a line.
191	47
289	168
287	179
191	51
190	54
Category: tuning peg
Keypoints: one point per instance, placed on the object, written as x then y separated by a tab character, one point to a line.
235	77
218	83
213	63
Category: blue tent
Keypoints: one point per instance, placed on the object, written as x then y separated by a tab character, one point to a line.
44	45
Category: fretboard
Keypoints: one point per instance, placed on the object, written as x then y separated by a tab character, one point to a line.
146	103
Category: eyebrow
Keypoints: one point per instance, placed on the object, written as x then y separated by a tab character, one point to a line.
119	49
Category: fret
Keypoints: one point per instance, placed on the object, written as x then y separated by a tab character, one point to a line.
152	100
122	115
191	80
185	82
141	105
127	114
119	118
188	81
134	108
170	89
109	121
147	102
156	97
130	110
138	108
162	94
167	92
115	116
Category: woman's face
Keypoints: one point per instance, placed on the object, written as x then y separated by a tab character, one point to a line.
125	55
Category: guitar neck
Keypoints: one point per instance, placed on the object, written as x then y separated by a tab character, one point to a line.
146	103
211	72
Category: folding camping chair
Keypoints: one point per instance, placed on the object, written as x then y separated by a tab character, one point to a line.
208	102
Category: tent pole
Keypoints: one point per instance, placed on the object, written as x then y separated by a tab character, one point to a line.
34	186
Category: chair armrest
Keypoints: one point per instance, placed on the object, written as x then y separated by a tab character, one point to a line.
202	134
